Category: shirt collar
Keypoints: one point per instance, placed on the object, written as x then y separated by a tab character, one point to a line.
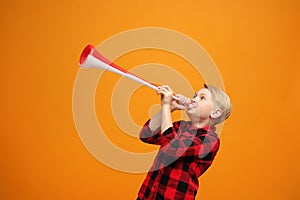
206	129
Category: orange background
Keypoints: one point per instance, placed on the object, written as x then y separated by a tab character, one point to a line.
255	45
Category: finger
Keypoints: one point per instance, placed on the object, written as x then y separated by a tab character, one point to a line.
162	92
181	107
175	97
168	88
178	98
165	87
162	88
183	100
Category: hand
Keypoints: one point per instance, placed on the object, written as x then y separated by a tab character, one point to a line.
175	105
166	95
182	100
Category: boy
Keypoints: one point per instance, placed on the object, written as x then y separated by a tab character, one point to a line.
187	149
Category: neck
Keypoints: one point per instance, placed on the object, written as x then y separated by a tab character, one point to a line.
200	124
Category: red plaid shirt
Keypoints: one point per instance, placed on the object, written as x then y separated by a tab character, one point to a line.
185	153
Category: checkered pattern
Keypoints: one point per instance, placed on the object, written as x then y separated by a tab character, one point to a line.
185	153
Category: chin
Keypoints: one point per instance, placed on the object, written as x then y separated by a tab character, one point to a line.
189	113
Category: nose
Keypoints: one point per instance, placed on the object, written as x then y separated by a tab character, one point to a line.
194	100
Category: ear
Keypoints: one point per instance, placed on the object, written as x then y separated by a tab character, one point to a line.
216	113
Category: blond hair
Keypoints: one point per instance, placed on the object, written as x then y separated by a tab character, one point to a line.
222	101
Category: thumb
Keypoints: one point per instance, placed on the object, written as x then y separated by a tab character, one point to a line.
181	107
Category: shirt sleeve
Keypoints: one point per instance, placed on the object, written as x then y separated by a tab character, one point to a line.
192	147
155	136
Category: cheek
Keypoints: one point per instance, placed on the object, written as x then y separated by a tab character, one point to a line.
205	109
204	112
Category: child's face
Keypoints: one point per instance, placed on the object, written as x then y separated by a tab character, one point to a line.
201	105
